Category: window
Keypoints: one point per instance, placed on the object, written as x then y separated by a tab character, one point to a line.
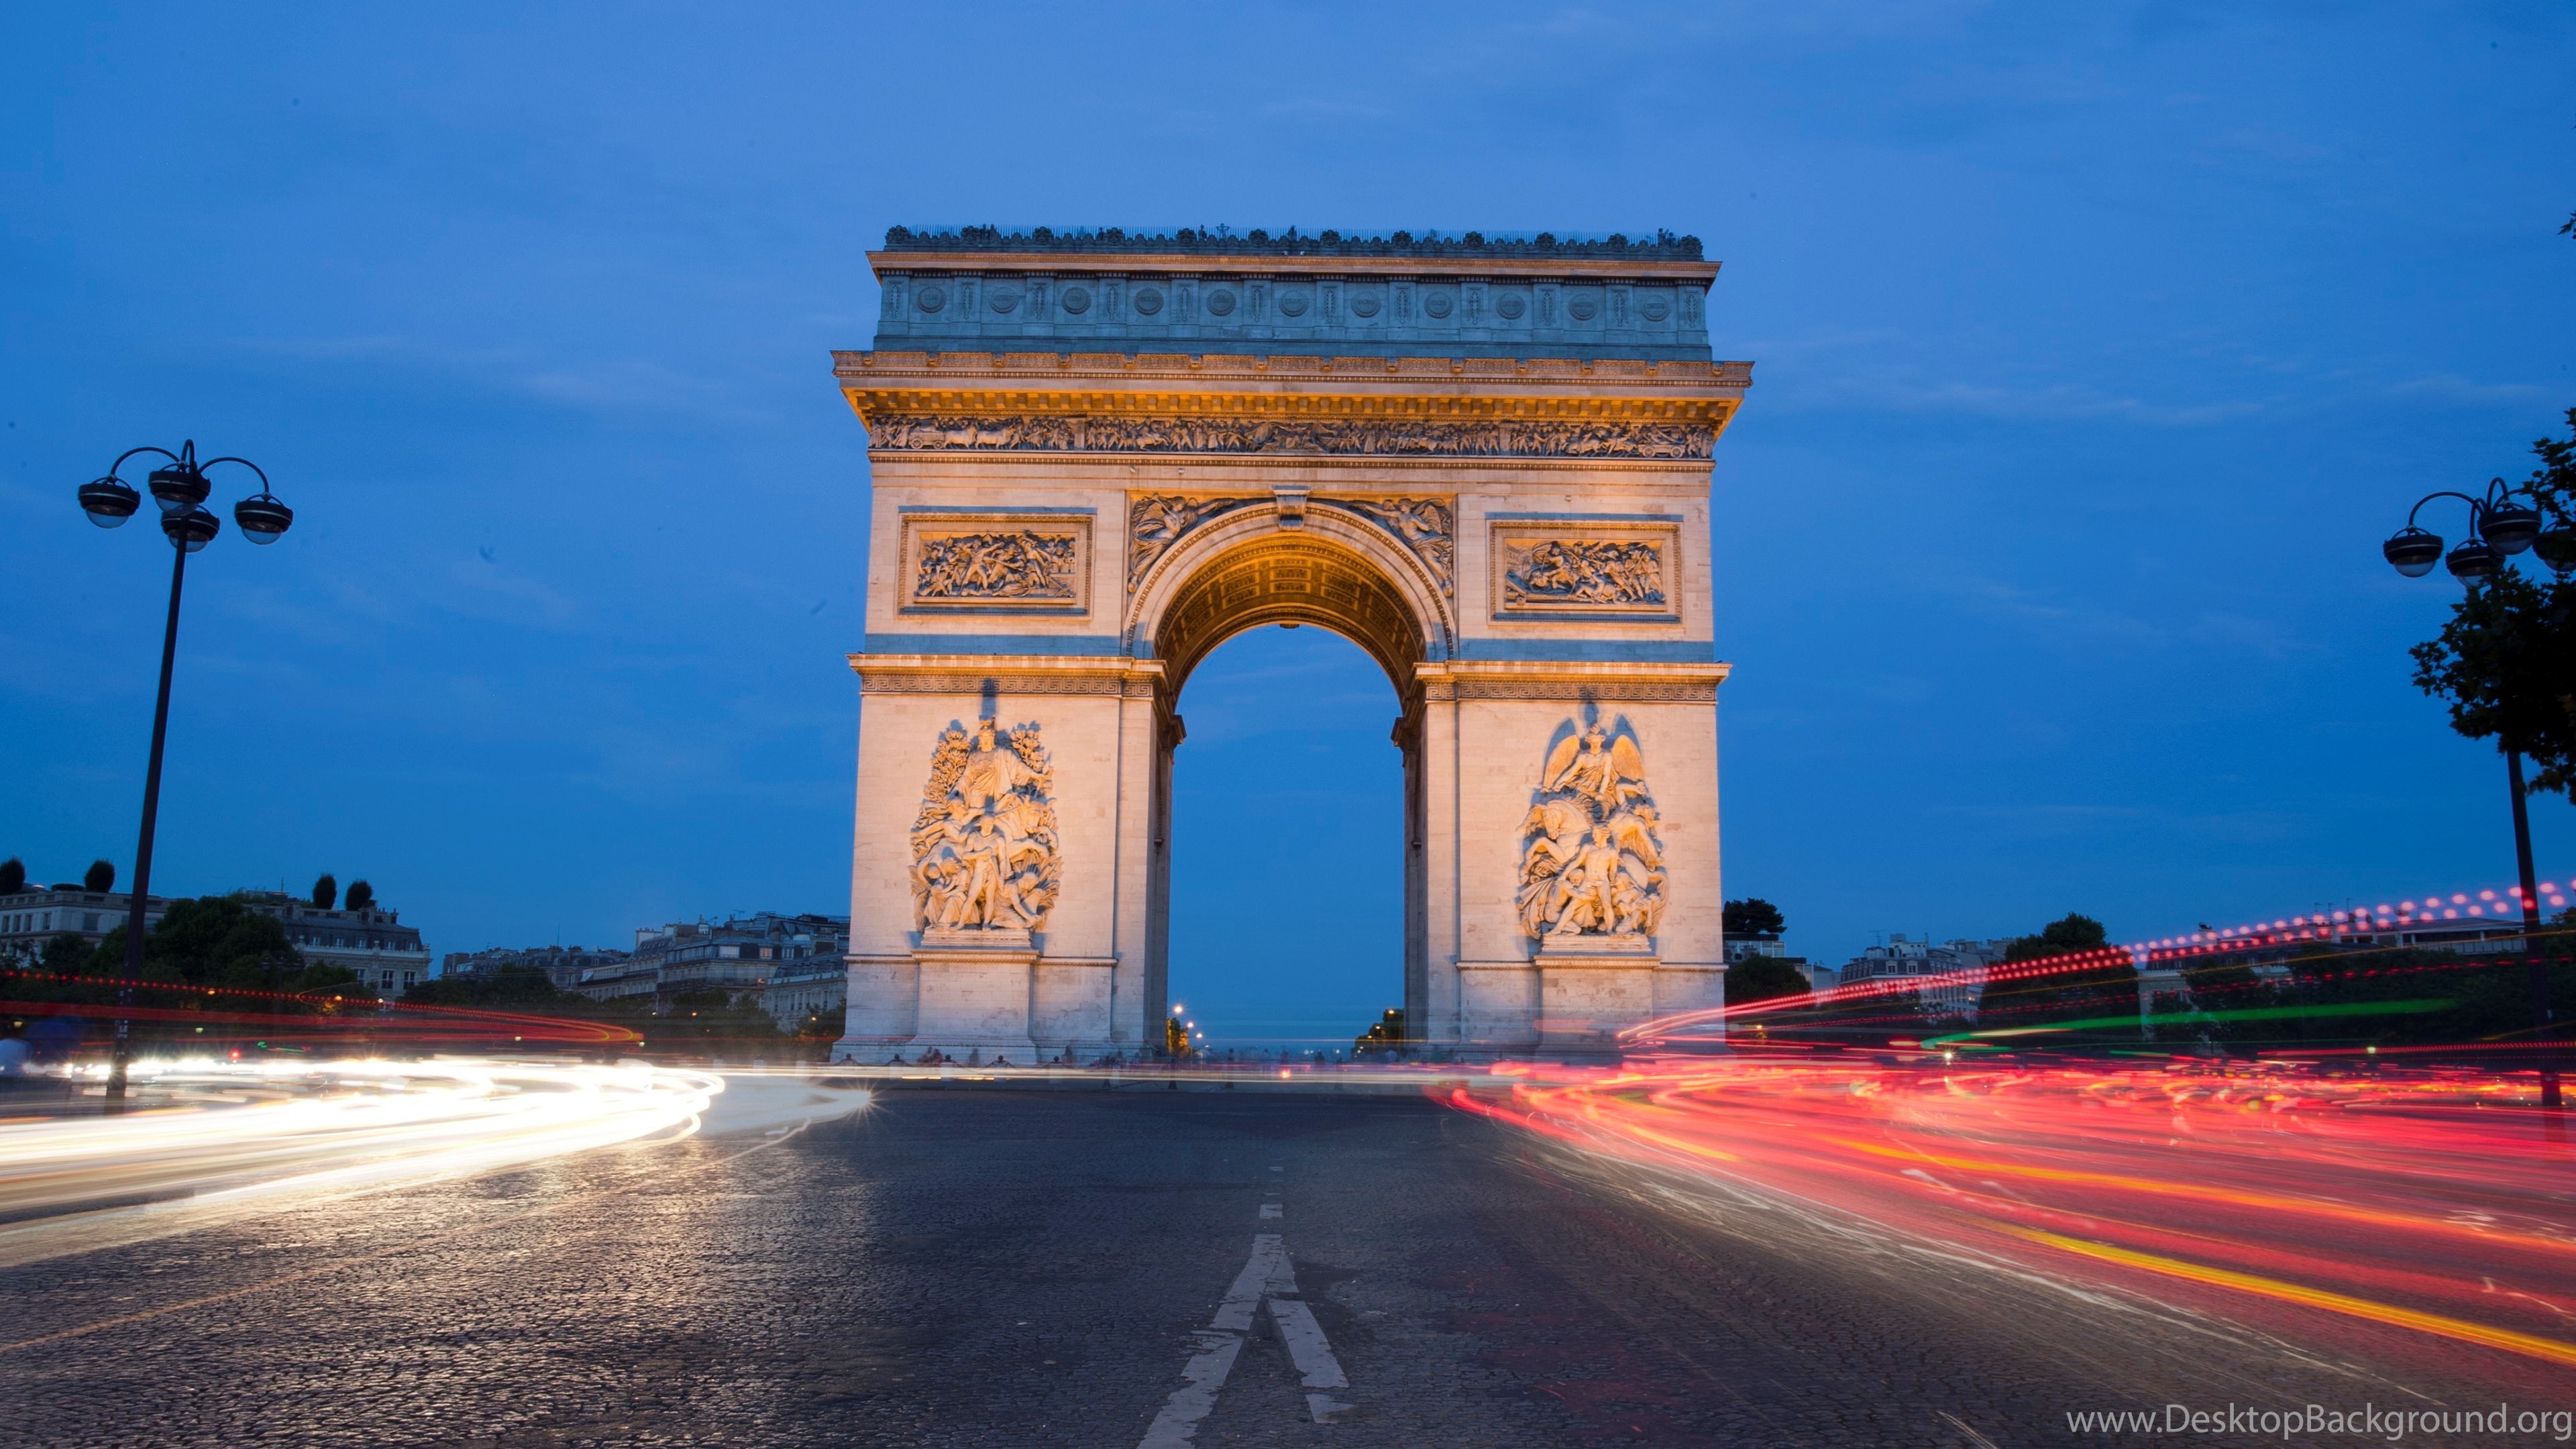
89	920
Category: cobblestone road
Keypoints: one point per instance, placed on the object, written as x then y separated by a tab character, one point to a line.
1028	1268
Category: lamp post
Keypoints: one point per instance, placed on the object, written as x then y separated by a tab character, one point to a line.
2499	528
180	488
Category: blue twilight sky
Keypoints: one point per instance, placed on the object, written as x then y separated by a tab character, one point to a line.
2097	347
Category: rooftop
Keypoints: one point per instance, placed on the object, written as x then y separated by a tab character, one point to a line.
1663	246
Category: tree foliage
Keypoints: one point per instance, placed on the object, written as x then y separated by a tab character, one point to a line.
2105	990
1763	978
1753	916
2064	936
101	877
2506	661
214	942
512	988
13	876
361	896
326	890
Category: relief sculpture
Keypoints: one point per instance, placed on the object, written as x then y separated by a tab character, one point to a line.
1559	571
1592	865
1021	565
1478	438
1155	524
984	843
1424	524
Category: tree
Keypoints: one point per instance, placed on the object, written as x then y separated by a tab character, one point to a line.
513	988
218	941
1763	978
13	876
2062	937
326	889
1753	916
2507	659
2093	992
361	897
101	877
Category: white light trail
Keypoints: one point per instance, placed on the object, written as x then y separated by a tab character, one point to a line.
330	1128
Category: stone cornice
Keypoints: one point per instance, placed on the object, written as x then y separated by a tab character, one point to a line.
1042	369
870	403
1057	665
1578	671
981	384
1196	264
1630	681
1114	675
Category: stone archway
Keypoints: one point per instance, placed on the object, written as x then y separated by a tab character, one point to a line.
1094	457
1321	566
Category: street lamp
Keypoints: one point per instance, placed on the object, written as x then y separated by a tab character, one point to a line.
180	488
2499	528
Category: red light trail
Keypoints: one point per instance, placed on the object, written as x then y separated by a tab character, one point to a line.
2432	1204
316	1018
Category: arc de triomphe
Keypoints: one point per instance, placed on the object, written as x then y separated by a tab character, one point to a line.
1096	457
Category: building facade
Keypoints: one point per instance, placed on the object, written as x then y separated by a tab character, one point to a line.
32	917
1948	978
739	957
1095	457
373	943
803	993
564	965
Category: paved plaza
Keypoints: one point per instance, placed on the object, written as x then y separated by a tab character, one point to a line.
959	1267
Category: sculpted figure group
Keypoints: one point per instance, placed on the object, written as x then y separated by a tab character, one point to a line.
1022	565
1592	865
984	842
1561	571
1424	525
1494	437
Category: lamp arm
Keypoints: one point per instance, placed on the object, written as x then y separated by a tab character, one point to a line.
2477	508
245	462
130	452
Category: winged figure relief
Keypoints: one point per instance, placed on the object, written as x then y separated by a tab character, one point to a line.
1607	772
1592	863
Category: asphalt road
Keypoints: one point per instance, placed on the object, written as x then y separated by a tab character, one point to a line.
1040	1268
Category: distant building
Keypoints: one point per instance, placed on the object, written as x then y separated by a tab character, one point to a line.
816	986
373	943
1949	977
739	957
564	966
1739	947
2269	951
31	917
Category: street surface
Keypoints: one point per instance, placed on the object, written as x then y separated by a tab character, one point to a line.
991	1267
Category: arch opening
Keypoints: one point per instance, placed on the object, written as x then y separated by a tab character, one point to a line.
1287	903
1342	576
1288	579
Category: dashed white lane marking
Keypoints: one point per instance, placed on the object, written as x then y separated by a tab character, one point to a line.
1270	1210
1312	1354
1266	1277
1206	1371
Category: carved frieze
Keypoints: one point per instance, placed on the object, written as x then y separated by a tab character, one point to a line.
984	843
1545	570
1592	866
1330	437
1016	562
1427	526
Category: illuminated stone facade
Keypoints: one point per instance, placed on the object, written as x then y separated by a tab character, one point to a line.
1096	458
